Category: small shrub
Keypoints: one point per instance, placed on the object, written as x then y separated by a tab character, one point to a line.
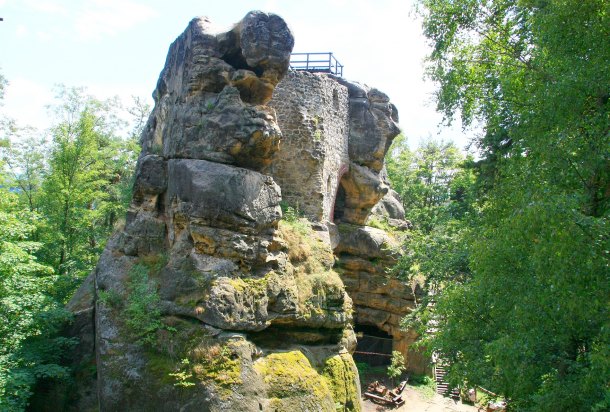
397	365
289	213
184	375
142	313
110	298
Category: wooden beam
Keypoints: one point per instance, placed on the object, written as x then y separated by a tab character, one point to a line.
376	397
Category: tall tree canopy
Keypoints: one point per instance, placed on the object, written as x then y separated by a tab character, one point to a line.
436	184
532	323
61	195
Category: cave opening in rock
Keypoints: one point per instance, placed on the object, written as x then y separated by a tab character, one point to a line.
339	206
374	345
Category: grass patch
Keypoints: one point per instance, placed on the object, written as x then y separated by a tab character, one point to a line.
370	373
423	384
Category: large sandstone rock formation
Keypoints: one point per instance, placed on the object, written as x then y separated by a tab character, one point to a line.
208	300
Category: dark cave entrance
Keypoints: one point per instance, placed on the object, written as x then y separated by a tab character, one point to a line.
338	208
374	345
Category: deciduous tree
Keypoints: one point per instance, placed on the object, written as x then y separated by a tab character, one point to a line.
532	323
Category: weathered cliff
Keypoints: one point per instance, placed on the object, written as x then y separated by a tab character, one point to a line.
336	134
209	299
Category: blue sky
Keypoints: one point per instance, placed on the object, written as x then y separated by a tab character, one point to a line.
118	47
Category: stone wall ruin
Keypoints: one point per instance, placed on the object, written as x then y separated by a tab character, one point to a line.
330	167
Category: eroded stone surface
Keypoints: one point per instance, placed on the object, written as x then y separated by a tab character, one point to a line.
250	312
206	91
204	284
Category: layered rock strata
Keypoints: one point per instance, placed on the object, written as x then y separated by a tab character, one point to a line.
207	300
330	166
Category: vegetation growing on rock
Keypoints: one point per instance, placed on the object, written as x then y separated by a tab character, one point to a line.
341	377
289	376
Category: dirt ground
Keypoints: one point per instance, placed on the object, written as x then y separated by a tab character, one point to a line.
416	402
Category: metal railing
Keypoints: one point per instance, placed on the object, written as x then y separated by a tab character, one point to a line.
316	63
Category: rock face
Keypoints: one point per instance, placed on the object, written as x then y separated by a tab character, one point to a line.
209	299
330	167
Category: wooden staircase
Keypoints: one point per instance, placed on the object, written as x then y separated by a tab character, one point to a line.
442	388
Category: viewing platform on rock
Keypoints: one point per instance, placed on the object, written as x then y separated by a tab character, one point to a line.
316	63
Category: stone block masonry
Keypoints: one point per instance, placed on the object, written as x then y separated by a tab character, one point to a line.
313	114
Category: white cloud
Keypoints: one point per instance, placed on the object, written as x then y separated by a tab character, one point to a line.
21	31
100	18
47	6
25	101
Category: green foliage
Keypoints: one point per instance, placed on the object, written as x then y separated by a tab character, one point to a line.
111	298
87	185
378	223
289	213
218	364
294	218
141	312
531	321
184	376
438	189
367	371
29	315
59	201
397	365
430	181
24	157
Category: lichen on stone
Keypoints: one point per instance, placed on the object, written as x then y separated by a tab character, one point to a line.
341	377
291	381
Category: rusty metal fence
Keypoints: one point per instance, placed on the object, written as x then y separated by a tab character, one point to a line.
374	350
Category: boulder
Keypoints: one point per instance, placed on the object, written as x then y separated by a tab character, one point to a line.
373	124
216	195
209	95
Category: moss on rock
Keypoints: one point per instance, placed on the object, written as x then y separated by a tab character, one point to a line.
293	384
341	377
